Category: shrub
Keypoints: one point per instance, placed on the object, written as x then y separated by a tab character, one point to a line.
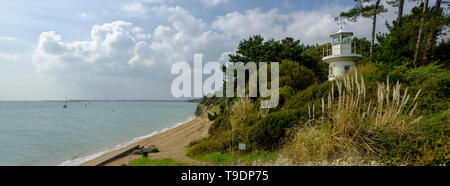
295	76
435	84
220	124
153	150
212	117
268	133
286	93
310	95
218	143
195	142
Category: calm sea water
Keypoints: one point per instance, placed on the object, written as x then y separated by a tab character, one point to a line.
43	133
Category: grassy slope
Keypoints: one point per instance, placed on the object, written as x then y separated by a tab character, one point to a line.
359	140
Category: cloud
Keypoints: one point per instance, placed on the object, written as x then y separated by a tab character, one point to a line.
141	8
109	50
252	22
84	15
7	38
8	57
180	19
135	9
184	36
311	26
121	50
214	2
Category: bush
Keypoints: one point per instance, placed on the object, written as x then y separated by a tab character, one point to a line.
220	124
219	143
153	150
195	142
434	81
212	117
310	95
295	76
268	133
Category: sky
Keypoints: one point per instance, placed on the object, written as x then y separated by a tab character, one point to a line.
124	49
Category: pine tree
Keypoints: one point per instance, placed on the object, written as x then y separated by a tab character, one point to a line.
400	4
368	9
435	27
421	30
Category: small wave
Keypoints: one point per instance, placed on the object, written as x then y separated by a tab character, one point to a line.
81	160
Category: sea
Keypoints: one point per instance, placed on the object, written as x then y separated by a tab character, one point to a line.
43	133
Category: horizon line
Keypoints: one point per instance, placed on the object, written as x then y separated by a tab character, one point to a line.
82	100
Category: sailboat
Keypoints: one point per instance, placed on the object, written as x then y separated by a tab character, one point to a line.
65	103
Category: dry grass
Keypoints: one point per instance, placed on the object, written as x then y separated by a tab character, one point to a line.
342	134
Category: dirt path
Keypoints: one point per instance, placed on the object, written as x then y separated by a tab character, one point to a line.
171	143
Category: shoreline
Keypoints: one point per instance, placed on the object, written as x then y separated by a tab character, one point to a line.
171	142
84	159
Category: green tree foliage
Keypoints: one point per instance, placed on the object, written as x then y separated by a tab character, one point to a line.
255	49
397	47
295	76
320	68
441	54
369	9
363	47
400	4
436	23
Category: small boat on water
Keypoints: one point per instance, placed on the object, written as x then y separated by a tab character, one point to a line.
65	103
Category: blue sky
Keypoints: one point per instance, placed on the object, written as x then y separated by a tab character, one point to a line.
124	49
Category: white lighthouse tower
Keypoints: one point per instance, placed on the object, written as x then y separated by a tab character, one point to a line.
342	58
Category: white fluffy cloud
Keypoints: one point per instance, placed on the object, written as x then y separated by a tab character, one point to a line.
141	7
311	26
252	22
214	2
122	49
184	36
135	9
110	49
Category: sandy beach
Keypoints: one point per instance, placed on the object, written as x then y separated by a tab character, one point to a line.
171	143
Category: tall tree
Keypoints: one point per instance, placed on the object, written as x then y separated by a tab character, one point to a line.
435	27
368	9
400	4
421	30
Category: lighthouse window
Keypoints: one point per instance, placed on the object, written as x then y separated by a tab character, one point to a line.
336	40
346	40
347	67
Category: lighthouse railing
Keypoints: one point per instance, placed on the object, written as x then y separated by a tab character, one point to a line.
356	48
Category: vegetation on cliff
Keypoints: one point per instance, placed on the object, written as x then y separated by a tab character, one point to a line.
391	111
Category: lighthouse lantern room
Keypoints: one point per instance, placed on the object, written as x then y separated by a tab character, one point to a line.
342	58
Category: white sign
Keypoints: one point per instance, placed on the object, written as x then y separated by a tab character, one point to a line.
241	146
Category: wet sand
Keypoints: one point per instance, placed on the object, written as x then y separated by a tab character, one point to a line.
171	143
